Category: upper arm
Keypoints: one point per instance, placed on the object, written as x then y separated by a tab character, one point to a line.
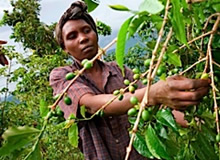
75	92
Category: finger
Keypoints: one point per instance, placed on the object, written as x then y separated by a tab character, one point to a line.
182	105
190	95
187	84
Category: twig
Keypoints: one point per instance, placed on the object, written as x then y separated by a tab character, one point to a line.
209	52
145	99
216	63
123	90
197	38
205	26
162	53
197	62
214	30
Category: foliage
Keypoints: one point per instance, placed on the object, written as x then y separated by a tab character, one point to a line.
33	93
41	55
103	29
161	133
159	136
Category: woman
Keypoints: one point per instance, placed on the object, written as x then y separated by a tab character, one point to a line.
106	138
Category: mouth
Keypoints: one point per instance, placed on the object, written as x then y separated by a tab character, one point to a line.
87	48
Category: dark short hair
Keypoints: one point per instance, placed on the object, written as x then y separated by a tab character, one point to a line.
77	10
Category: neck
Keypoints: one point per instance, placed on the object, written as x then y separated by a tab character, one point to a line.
96	68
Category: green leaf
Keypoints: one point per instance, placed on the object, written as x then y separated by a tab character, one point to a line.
43	108
119	7
141	147
163	77
216	7
172	145
151	6
73	135
208	133
155	146
186	152
132	121
178	22
92	4
120	48
17	137
135	24
156	18
174	59
203	148
161	131
83	111
36	154
165	117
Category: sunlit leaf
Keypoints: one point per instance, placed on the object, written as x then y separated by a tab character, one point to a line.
178	22
151	6
43	108
92	4
83	111
141	147
163	77
73	135
120	48
135	24
119	7
155	146
174	59
17	137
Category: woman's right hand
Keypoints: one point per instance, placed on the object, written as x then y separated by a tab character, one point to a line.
178	92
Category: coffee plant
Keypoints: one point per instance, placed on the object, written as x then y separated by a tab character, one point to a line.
173	37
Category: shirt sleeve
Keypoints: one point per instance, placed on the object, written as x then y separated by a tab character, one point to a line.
75	92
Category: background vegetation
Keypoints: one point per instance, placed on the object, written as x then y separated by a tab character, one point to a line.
33	94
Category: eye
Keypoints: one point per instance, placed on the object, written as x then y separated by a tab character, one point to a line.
72	35
87	30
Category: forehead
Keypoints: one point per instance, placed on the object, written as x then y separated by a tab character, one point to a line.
73	25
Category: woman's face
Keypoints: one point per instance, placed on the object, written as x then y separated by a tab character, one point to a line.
79	39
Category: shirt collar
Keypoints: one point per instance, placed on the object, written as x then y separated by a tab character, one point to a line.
106	66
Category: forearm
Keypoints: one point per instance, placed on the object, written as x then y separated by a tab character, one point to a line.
117	107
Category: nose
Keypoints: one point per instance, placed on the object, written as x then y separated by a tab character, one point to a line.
83	39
